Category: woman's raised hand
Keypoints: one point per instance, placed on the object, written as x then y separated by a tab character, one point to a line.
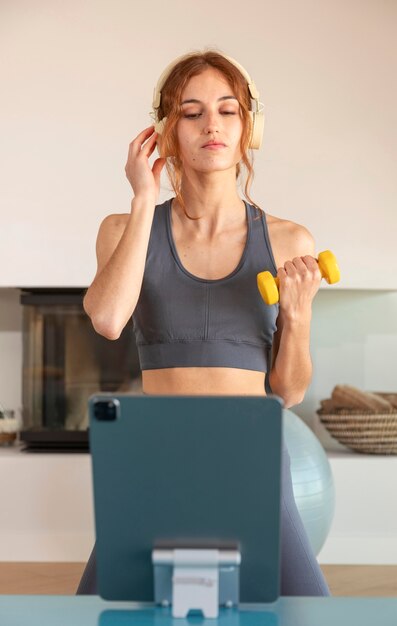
144	180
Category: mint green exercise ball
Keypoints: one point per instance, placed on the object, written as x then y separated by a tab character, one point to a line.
312	479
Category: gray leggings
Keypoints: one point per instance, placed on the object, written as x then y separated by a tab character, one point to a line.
300	573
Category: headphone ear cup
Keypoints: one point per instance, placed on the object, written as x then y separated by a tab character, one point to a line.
159	126
258	126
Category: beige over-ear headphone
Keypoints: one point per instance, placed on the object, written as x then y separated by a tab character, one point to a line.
257	115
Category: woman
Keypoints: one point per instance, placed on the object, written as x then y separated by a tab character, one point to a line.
186	270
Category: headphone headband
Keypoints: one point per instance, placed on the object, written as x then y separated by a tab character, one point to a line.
257	116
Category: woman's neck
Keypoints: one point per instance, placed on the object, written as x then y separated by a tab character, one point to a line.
213	199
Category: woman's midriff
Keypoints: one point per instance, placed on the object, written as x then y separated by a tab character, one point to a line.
203	381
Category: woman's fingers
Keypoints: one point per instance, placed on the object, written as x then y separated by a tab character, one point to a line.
147	135
157	167
299	281
301	268
146	132
296	265
311	264
301	265
138	170
149	146
143	144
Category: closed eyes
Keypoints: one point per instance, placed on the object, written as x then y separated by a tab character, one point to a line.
194	116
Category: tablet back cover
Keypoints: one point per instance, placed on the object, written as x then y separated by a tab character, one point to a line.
190	471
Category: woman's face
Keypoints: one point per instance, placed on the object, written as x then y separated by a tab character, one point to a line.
210	126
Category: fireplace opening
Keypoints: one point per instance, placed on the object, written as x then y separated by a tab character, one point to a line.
64	362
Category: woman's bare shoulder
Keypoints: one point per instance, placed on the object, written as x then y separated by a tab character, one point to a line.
115	220
288	239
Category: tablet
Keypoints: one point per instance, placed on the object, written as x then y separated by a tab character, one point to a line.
185	472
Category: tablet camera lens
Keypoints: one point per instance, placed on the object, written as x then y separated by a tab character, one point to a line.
105	410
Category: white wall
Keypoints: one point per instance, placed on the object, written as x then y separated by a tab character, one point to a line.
77	80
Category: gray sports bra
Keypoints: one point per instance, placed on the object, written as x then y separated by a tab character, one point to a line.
182	320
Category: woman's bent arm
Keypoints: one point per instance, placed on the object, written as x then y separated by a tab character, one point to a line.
112	297
122	243
291	370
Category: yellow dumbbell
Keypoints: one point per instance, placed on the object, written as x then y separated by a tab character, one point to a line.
268	284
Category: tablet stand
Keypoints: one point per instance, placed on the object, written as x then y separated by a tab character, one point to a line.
196	579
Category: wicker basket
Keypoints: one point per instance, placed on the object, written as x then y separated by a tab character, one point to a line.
363	431
7	439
